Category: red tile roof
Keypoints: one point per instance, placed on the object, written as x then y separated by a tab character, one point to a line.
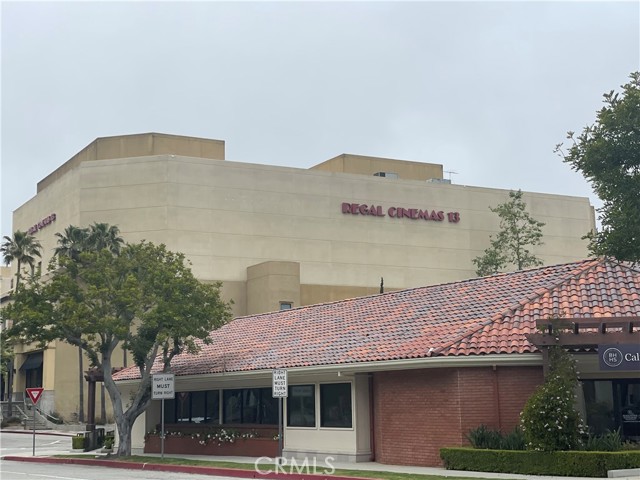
489	315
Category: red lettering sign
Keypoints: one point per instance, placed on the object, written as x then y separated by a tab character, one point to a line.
400	212
42	223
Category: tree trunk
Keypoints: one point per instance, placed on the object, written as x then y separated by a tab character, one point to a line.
19	266
103	406
124	437
80	385
10	387
125	419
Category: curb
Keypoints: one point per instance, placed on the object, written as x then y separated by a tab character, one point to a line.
194	469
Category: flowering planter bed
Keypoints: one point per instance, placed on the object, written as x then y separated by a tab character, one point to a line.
244	447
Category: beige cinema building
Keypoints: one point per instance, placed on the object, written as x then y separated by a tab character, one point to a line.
277	237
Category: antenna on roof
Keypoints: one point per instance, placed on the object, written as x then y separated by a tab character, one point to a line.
450	172
381	284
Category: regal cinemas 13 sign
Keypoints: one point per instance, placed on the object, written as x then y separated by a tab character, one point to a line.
399	212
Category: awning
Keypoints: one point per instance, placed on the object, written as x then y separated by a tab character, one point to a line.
33	361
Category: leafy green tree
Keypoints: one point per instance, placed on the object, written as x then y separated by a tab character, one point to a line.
23	248
146	300
6	357
518	231
608	155
550	420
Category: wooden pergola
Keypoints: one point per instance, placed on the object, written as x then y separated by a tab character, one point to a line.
584	334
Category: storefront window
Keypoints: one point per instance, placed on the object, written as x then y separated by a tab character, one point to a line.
335	405
250	405
613	405
198	406
232	406
193	407
301	406
213	407
183	407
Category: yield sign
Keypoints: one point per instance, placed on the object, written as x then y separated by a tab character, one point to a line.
35	394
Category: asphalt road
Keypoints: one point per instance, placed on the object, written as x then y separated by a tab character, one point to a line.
21	444
42	471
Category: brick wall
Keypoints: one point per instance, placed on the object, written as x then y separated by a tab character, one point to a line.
418	411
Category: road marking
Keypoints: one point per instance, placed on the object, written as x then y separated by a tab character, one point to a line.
44	476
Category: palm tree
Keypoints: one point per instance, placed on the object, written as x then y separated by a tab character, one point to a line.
23	248
103	236
72	242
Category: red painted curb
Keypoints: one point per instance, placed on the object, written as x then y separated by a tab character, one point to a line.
195	469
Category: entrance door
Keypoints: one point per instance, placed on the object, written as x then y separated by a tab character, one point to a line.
611	405
626	399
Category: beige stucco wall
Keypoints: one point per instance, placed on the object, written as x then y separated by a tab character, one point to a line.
365	165
137	145
270	283
60	377
229	216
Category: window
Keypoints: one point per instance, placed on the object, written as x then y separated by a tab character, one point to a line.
613	405
286	305
212	413
183	406
250	405
193	407
386	174
335	405
198	406
32	368
301	406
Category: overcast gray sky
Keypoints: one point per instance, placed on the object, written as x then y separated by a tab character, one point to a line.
484	88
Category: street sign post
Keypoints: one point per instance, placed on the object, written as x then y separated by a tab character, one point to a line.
162	387
279	390
34	394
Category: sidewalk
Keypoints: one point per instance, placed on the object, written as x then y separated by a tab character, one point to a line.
101	459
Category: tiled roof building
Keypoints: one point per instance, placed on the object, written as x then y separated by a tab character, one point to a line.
454	356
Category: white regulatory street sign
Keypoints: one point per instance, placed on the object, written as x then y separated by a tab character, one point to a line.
162	386
279	386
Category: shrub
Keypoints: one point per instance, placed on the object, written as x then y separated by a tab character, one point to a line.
576	463
54	417
483	437
514	440
108	442
550	421
10	421
607	442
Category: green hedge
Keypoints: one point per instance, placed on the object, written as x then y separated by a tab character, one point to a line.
530	462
